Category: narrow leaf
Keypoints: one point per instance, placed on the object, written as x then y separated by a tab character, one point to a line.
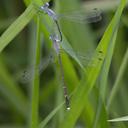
17	26
121	119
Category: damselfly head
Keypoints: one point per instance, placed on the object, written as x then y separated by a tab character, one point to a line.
45	6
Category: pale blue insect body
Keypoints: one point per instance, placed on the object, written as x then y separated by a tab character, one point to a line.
48	11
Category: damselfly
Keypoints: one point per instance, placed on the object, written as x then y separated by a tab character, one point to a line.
73	16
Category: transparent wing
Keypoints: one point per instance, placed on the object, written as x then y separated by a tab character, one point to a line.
85	58
26	75
82	16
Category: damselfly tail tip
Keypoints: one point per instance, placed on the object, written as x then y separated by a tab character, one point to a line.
68	108
67	103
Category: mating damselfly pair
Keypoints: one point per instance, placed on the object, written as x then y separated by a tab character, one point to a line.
56	39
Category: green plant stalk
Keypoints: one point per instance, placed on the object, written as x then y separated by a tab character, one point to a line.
103	84
35	84
100	112
46	120
72	81
120	119
6	22
106	67
118	79
17	26
10	90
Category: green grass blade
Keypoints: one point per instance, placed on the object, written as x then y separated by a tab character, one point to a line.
50	116
92	73
72	81
100	119
35	84
118	79
47	91
101	113
17	26
12	91
120	119
6	22
106	67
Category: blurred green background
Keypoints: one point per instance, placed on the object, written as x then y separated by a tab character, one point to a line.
16	64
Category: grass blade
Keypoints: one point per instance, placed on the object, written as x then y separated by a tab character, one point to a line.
118	79
12	91
101	113
17	26
35	87
120	119
50	116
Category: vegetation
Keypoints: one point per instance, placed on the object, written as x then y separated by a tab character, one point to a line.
94	58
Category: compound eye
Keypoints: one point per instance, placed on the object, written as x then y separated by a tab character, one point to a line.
47	4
